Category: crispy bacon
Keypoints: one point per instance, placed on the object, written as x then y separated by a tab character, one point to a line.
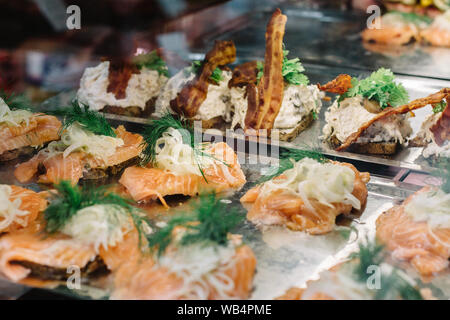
251	115
120	72
340	85
244	74
271	85
441	130
193	94
416	104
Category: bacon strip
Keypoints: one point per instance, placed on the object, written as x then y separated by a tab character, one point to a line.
340	85
244	74
441	130
120	72
416	104
190	98
271	85
251	116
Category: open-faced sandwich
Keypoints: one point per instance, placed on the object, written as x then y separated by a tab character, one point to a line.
200	92
274	94
351	280
307	193
397	28
125	87
434	134
195	256
19	207
77	229
173	163
22	131
438	33
418	230
89	148
430	8
370	115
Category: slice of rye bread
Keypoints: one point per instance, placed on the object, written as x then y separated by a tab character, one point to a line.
216	123
16	153
379	148
132	111
93	269
302	125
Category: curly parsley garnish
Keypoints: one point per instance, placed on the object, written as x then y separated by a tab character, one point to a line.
380	86
90	120
196	65
292	70
151	61
439	107
209	223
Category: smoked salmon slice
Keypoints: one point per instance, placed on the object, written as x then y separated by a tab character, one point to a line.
37	131
426	248
79	164
147	279
19	207
282	207
147	183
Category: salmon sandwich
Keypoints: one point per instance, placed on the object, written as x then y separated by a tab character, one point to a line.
89	149
307	194
21	131
174	164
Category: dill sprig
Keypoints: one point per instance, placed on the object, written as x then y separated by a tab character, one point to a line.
70	199
154	130
391	286
380	86
292	70
15	101
439	107
287	158
90	120
216	75
151	61
210	222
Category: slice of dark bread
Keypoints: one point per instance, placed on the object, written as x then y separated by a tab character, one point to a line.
378	148
302	125
132	111
16	153
102	173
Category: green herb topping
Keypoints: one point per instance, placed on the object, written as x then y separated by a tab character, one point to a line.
15	101
90	120
413	17
439	107
292	70
216	76
380	87
151	61
209	223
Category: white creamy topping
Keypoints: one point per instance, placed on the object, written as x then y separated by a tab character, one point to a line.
75	138
99	225
442	21
298	102
141	88
432	207
432	148
216	104
10	210
348	116
13	117
327	183
201	267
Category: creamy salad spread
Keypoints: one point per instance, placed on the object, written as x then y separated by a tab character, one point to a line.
142	87
346	117
432	149
442	22
298	102
216	104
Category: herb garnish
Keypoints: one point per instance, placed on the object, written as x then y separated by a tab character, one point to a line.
287	158
90	120
15	101
292	70
392	285
216	76
413	17
439	107
380	87
209	223
70	199
151	61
